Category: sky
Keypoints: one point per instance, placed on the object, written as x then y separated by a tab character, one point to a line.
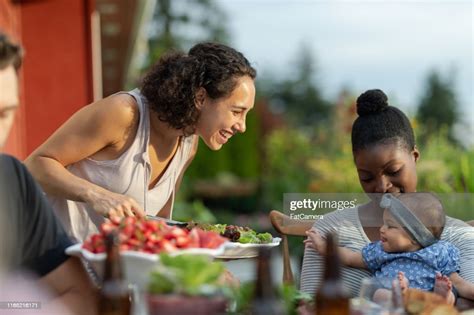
391	45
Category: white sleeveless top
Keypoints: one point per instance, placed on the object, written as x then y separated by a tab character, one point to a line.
129	175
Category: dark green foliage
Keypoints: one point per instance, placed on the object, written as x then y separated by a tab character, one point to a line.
300	96
181	24
439	108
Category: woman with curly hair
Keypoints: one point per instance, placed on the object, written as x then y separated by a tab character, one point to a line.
125	155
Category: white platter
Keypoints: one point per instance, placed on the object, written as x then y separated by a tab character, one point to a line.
238	251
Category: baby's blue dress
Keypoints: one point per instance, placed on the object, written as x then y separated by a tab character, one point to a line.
420	267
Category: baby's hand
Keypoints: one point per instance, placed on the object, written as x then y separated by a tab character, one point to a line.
315	241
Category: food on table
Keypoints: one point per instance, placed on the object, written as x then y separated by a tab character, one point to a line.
234	233
421	302
152	236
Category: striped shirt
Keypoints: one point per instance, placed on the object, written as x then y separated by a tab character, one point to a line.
351	235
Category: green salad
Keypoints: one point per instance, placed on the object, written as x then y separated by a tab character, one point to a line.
243	235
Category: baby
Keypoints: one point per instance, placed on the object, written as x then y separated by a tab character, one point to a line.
409	248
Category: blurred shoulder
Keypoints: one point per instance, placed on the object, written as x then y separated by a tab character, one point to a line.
10	164
453	222
337	218
457	232
6	160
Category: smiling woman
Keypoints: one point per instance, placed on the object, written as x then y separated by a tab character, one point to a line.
125	155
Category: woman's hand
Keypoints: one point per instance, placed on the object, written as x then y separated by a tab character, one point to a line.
315	241
109	204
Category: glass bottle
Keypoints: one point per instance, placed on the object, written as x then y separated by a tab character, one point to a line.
265	300
331	296
114	298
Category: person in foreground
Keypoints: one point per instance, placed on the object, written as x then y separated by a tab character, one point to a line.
125	155
409	248
32	240
385	156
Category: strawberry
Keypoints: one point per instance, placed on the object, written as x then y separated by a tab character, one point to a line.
138	234
177	232
193	239
167	246
129	221
96	240
152	225
125	247
133	243
128	230
107	227
99	249
152	236
155	237
209	239
122	237
182	242
88	246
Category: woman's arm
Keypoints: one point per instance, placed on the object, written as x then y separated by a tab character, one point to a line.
461	235
72	287
464	287
102	129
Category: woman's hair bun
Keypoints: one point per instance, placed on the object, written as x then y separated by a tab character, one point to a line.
371	102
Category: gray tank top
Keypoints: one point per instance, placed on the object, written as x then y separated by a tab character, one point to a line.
129	175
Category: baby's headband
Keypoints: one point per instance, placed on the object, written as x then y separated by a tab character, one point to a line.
408	220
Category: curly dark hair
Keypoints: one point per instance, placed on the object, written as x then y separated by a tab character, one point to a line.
10	54
170	86
380	123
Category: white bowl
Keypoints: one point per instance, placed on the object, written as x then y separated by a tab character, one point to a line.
137	265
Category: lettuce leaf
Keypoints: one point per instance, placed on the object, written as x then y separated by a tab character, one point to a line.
265	238
252	237
248	237
186	274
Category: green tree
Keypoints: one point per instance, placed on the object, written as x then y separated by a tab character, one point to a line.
439	108
180	24
300	96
